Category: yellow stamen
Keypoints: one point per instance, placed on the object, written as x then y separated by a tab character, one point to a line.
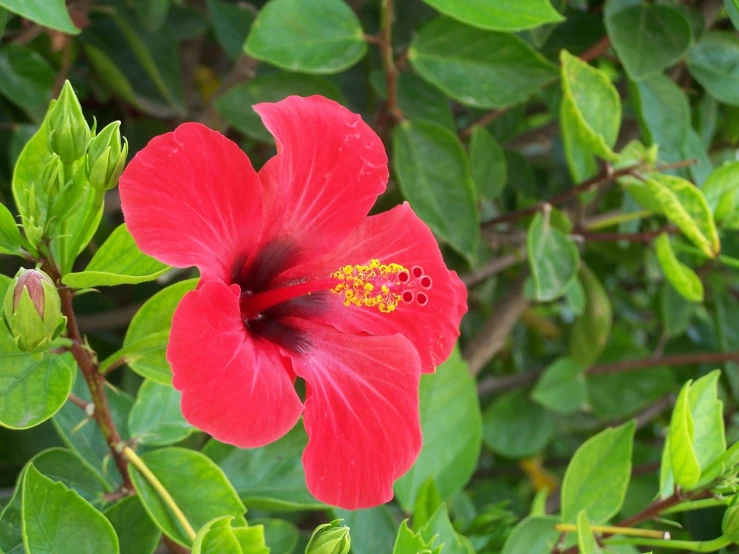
360	285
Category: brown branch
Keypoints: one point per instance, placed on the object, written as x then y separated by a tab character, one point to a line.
645	237
95	381
485	120
597	50
173	547
491	338
606	176
77	401
508	382
390	112
495	266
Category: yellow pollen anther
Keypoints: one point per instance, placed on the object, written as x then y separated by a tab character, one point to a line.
374	285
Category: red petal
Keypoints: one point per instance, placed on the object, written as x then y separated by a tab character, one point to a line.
191	197
398	236
330	167
235	387
361	415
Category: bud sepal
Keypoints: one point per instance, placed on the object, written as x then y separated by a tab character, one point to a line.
329	538
106	157
68	132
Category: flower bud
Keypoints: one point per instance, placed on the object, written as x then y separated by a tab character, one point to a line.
68	132
106	157
730	523
32	310
329	538
52	178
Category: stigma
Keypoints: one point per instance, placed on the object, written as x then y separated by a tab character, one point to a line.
382	286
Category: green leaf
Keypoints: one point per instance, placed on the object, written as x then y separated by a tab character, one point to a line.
440	526
235	105
598	474
11	521
720	190
84	437
61	465
426	503
533	535
137	534
664	115
561	388
434	175
488	164
675	311
147	336
517	427
156	417
732	8
647	37
591	330
684	205
48	13
714	62
311	36
25	79
502	15
58	520
218	537
268	478
11	241
684	279
683	461
117	262
595	102
580	159
452	428
231	24
373	530
706	411
585	539
408	542
469	64
197	485
553	257
280	535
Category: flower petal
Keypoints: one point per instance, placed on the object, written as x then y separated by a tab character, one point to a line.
398	236
191	197
234	386
330	167
361	415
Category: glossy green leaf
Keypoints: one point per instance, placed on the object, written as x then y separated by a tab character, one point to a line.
25	79
647	37
270	477
553	258
156	417
714	62
598	474
533	535
578	151
84	437
408	542
596	104
488	164
11	241
591	330
61	465
218	537
197	485
684	463
311	36
470	64
373	530
675	310
137	534
117	262
11	521
684	279
280	535
147	336
235	105
721	190
585	539
58	520
517	427
664	115
427	502
562	387
49	13
452	428
434	176
732	8
706	411
441	527
231	23
684	205
501	15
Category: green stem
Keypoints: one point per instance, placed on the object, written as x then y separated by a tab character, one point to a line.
726	260
691	546
698	505
617	219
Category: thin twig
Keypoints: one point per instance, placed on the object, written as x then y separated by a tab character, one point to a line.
485	120
645	237
597	50
495	266
391	112
77	401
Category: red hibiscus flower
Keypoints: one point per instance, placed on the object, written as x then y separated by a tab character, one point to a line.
298	281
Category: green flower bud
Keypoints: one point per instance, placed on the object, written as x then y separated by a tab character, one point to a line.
106	157
329	538
52	178
68	132
33	311
730	523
